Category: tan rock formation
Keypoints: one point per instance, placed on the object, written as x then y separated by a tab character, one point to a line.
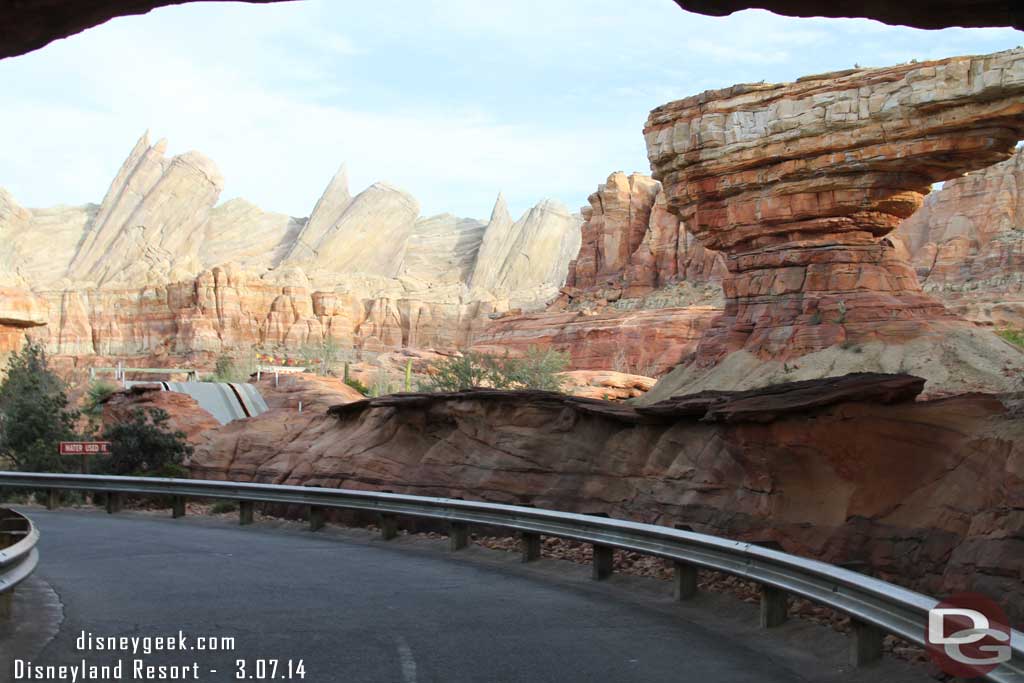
605	385
967	244
152	219
369	237
799	183
634	298
157	268
529	255
240	232
809	466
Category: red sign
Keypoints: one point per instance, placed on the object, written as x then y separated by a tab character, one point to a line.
84	447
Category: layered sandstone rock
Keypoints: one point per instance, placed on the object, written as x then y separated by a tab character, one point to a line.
152	221
967	244
798	184
809	466
637	295
158	268
648	341
632	246
526	260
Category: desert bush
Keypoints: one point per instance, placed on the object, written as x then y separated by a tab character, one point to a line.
537	370
228	369
98	392
144	445
1013	336
34	414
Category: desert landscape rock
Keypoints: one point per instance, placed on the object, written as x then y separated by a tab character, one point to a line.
637	296
799	184
808	466
159	267
184	414
967	244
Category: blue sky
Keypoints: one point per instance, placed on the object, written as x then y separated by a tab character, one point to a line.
452	100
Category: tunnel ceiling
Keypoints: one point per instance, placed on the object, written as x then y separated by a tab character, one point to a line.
916	13
27	25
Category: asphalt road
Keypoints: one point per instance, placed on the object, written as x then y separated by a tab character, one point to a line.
353	610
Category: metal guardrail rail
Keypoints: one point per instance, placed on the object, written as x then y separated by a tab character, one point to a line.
18	555
876	607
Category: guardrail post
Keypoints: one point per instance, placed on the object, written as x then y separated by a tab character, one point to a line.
603	558
114	502
865	643
773	607
52	499
316	518
178	507
388	526
245	512
684	581
529	544
458	536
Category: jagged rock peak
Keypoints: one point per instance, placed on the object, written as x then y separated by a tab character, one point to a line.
152	217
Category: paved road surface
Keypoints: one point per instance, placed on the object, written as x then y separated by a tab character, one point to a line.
356	611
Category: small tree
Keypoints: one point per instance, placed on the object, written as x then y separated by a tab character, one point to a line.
34	414
145	445
539	369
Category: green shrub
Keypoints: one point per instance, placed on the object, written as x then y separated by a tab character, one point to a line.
227	369
1013	336
358	386
97	393
537	370
34	414
144	446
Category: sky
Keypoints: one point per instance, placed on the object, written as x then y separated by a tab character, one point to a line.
450	100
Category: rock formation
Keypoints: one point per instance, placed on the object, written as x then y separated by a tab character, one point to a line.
917	13
798	185
808	466
636	297
531	253
31	24
183	412
967	244
158	267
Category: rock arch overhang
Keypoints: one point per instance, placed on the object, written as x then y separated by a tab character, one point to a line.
928	14
31	24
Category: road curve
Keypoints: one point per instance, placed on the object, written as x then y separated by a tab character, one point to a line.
354	610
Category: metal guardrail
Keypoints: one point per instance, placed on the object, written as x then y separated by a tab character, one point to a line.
876	607
18	555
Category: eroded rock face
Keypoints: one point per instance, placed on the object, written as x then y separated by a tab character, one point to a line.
184	414
798	185
637	296
809	466
967	244
157	268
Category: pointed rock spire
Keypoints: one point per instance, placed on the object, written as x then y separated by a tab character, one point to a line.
327	212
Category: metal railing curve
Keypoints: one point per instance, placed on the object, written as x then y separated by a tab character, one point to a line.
18	555
876	607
